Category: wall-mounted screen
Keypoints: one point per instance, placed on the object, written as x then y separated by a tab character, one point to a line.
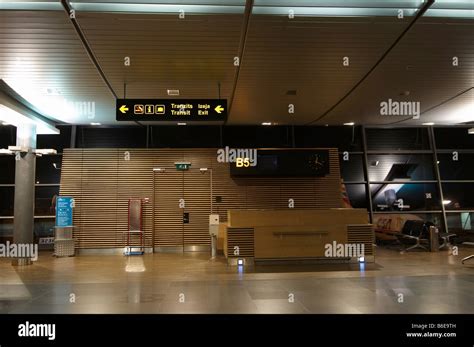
295	162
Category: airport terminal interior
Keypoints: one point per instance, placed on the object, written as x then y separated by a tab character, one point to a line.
240	156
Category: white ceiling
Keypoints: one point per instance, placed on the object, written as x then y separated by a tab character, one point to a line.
40	50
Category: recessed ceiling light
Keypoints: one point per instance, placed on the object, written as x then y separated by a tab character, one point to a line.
181	123
95	123
53	91
350	123
428	123
470	131
173	92
446	202
266	123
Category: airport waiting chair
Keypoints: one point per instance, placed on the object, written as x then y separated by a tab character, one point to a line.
413	230
467	258
446	239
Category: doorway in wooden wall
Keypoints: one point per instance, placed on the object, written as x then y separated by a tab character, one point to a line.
181	208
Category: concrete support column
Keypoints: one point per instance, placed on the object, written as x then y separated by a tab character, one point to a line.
24	189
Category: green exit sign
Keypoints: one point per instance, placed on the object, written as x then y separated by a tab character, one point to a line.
182	166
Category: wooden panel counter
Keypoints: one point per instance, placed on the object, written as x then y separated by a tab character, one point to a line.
295	233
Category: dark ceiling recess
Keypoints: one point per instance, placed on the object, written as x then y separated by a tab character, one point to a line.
291	92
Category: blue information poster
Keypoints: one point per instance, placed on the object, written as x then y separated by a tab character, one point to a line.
64	206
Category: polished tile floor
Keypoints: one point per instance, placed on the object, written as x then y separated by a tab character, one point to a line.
414	282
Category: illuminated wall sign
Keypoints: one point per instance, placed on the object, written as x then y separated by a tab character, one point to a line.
182	166
64	206
295	162
242	157
171	110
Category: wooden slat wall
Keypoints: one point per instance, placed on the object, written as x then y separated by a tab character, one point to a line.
243	238
197	194
168	216
102	181
362	234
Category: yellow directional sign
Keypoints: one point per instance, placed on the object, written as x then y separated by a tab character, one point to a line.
123	108
171	110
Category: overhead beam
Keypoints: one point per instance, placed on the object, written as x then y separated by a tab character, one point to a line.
12	100
243	41
420	13
68	9
434	107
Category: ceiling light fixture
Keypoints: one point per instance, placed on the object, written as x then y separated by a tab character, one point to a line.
53	91
173	92
446	202
349	124
45	151
181	123
267	123
95	123
5	151
428	123
9	116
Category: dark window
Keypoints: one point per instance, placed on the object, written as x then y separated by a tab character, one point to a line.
7	169
6	230
344	138
461	223
352	169
44	227
123	137
386	223
257	136
357	196
462	169
397	139
57	142
7	136
48	169
185	136
448	138
458	196
415	196
7	199
44	200
390	167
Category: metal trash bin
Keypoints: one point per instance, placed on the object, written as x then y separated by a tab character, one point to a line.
64	248
434	239
63	242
